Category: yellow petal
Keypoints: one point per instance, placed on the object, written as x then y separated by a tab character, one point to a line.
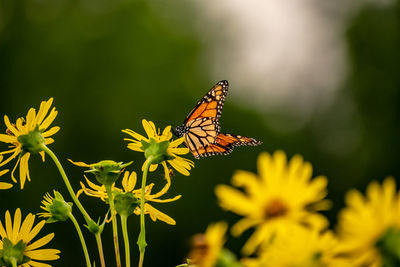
10	126
135	135
5	186
81	164
9	226
43	109
5	138
50	132
149	128
34	231
40	243
26	226
159	215
13	156
17	224
234	200
31	119
43	254
46	123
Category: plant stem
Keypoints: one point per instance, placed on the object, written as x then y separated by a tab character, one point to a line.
14	262
66	181
100	248
78	229
114	224
74	198
142	236
124	219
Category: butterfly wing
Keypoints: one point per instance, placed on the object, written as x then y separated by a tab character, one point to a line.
210	106
225	143
201	127
202	123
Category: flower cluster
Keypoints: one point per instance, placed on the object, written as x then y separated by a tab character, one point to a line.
282	203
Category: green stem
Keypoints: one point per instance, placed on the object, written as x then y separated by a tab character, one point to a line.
78	229
124	219
14	262
114	224
142	236
75	199
66	181
100	248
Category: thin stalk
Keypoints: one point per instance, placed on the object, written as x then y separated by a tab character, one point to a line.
78	230
14	262
100	248
142	236
114	224
66	181
124	219
73	196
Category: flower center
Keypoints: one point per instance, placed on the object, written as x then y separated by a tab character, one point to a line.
275	208
200	248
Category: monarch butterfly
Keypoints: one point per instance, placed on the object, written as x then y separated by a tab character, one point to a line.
201	128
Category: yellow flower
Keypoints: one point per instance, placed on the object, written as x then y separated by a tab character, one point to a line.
366	220
22	128
300	247
182	165
128	185
283	195
206	248
19	236
4	185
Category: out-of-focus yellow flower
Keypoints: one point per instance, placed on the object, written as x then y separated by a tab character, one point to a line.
128	185
206	248
4	185
180	164
26	135
281	196
300	247
369	226
16	238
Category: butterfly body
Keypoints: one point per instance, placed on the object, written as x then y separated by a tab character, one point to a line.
201	128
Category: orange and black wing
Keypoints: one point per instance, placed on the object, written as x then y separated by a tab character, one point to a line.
202	123
225	143
210	106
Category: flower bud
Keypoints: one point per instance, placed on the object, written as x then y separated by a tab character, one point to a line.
107	171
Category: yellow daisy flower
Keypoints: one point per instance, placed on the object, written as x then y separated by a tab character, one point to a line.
19	134
18	237
128	185
281	196
180	164
302	247
4	185
368	222
206	248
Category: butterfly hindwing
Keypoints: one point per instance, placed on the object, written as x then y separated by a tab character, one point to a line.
225	143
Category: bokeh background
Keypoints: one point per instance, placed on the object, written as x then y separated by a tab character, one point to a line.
318	78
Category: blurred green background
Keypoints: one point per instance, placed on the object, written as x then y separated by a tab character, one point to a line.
109	64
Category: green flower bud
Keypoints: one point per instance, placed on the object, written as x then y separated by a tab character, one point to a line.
107	171
125	203
13	253
96	228
57	208
389	246
32	141
156	151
